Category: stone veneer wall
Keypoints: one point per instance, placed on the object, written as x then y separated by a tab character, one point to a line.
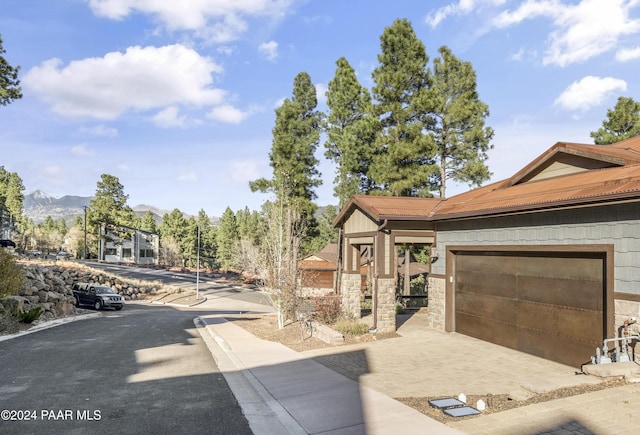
351	294
436	303
386	305
624	311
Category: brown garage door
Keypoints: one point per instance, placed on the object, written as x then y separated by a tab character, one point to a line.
547	304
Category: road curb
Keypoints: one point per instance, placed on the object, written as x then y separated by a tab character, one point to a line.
50	324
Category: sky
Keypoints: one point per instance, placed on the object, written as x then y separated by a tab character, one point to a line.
177	99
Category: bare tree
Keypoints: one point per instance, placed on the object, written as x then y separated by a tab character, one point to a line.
283	233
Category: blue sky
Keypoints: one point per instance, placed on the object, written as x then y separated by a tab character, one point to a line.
177	98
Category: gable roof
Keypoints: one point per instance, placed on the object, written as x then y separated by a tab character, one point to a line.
380	208
601	173
566	175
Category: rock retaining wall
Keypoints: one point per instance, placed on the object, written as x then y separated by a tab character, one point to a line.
49	287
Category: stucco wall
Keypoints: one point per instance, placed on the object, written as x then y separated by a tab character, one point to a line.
614	224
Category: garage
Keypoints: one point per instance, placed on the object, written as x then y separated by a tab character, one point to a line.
547	303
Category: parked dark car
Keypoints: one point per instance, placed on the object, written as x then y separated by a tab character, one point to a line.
98	296
6	243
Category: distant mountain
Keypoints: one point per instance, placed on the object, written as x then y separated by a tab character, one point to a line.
38	205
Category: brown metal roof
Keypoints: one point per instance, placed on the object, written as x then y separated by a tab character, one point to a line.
619	180
593	186
380	208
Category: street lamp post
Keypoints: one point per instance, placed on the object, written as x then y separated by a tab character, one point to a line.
84	247
198	267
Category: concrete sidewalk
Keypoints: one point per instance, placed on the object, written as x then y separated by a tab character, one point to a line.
283	392
351	389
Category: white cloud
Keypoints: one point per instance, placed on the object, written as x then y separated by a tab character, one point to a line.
582	30
188	177
216	20
170	118
589	92
100	130
462	7
228	114
627	54
142	78
81	150
269	50
243	171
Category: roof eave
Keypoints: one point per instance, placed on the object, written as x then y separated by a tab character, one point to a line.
541	207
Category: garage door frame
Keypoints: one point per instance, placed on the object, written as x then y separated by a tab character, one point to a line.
606	250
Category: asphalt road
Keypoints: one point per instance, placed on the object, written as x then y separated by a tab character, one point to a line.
142	370
211	288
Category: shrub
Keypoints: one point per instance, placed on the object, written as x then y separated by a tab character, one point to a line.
348	326
327	309
11	275
29	316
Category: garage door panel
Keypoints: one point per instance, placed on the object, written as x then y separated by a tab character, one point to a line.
484	329
560	265
486	262
498	309
490	284
550	304
564	292
552	320
559	348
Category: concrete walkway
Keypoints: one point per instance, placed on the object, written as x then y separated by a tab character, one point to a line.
351	389
282	391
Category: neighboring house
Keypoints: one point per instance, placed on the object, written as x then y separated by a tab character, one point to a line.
138	247
546	262
318	271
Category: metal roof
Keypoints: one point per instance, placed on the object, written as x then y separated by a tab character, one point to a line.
618	180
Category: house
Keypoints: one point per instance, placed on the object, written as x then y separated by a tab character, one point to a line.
545	262
129	245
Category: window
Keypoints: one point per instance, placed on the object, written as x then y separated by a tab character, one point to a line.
111	251
126	252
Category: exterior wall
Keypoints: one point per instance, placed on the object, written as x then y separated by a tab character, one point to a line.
358	222
436	308
618	225
624	311
351	293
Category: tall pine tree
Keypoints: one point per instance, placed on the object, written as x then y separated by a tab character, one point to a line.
295	139
461	138
623	122
351	130
404	161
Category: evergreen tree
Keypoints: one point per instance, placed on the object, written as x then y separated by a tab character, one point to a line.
404	163
326	233
623	122
11	197
227	239
148	223
9	84
173	225
109	205
295	139
207	240
459	133
351	131
173	229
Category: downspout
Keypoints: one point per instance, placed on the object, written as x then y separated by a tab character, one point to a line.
374	296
